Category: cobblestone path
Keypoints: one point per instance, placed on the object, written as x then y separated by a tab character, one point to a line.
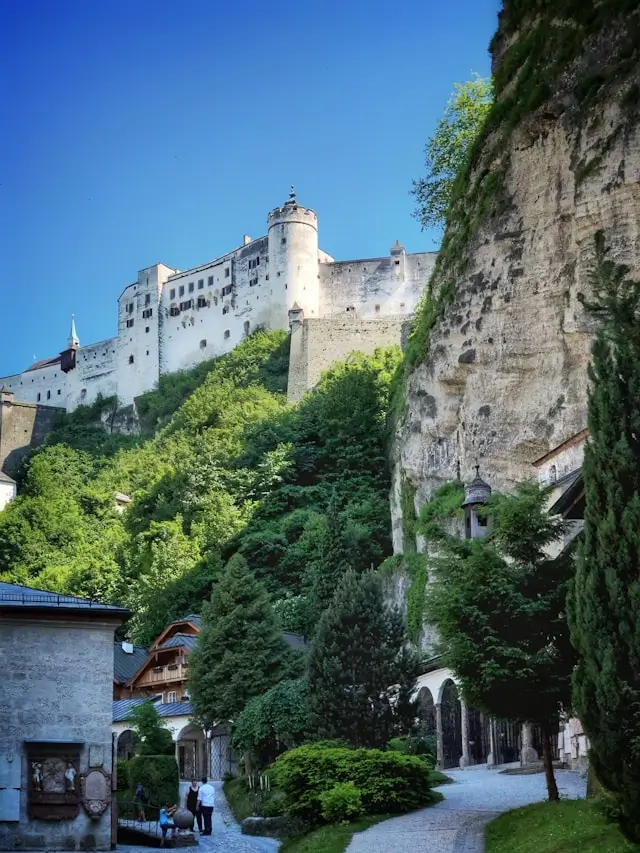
457	824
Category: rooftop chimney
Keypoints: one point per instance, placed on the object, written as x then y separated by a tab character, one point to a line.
246	239
127	648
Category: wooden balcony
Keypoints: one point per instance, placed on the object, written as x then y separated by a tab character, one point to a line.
167	674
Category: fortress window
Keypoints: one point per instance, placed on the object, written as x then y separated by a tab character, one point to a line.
38	400
253	282
203	343
130	323
200	283
258	260
246	327
174	311
210	281
172	293
225	310
226	273
278	275
202	302
147	299
148	312
130	308
397	263
147	352
402	304
191	287
283	241
226	290
377	309
146	328
130	359
267	276
59	392
48	395
266	260
181	290
227	334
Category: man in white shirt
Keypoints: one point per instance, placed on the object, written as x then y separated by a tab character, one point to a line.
206	800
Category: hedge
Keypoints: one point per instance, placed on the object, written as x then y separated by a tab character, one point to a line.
389	782
159	775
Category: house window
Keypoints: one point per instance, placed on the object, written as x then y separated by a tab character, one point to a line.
130	308
202	302
130	323
174	311
227	334
226	290
191	287
210	281
148	312
203	343
200	283
181	290
172	293
171	697
147	299
226	273
130	359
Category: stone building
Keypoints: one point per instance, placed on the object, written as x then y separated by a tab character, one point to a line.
169	319
55	737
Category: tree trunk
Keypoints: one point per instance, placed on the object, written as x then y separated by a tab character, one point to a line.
247	764
547	759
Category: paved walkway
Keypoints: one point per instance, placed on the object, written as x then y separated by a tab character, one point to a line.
226	836
457	824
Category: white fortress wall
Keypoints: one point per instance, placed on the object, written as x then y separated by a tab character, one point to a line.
375	287
95	373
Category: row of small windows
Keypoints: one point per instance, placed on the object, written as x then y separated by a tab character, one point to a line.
59	392
191	286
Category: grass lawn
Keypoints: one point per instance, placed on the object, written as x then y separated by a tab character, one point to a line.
238	798
570	826
330	839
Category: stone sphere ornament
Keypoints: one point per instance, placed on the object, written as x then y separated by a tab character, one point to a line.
183	819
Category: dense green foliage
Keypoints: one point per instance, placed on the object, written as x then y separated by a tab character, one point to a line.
159	776
447	150
388	781
234	469
342	802
499	606
277	720
239	652
150	733
604	609
359	650
569	825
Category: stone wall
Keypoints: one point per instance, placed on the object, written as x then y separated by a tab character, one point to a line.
57	685
23	426
317	344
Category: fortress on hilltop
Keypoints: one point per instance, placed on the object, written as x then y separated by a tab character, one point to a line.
169	320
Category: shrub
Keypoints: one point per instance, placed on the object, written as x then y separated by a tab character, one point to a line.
122	775
422	745
341	803
388	781
159	775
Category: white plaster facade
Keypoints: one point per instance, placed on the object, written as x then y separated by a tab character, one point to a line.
171	320
7	490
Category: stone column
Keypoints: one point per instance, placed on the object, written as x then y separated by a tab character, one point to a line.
465	761
491	758
439	738
528	754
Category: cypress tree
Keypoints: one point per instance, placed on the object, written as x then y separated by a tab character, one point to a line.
605	605
361	670
240	652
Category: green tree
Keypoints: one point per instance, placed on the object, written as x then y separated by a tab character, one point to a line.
240	652
499	607
150	733
447	150
361	670
605	604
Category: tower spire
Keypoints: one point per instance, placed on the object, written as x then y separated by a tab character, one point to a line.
72	340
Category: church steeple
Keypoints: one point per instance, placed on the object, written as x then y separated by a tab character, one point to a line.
73	341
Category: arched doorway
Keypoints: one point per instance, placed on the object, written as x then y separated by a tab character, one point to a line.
223	759
125	745
191	747
451	725
426	711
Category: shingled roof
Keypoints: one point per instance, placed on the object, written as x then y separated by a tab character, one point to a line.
126	664
14	596
187	640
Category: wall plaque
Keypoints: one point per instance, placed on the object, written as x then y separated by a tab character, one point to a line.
96	792
96	755
52	785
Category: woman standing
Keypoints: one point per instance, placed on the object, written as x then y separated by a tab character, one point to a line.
192	803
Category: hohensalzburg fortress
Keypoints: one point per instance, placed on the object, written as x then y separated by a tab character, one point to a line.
170	320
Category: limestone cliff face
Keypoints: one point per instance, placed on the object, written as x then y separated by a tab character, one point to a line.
502	374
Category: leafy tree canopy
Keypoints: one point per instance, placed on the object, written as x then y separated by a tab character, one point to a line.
150	733
447	150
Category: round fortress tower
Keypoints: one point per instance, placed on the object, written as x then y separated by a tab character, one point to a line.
293	261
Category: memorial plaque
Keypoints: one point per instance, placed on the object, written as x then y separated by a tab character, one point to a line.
95	786
96	792
96	755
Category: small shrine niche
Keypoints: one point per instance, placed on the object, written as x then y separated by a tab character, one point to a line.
53	781
477	493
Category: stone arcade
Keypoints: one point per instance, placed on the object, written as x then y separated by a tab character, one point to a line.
55	738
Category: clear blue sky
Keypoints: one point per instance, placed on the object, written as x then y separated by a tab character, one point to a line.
136	131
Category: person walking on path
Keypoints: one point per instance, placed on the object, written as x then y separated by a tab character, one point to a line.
206	800
192	803
139	802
